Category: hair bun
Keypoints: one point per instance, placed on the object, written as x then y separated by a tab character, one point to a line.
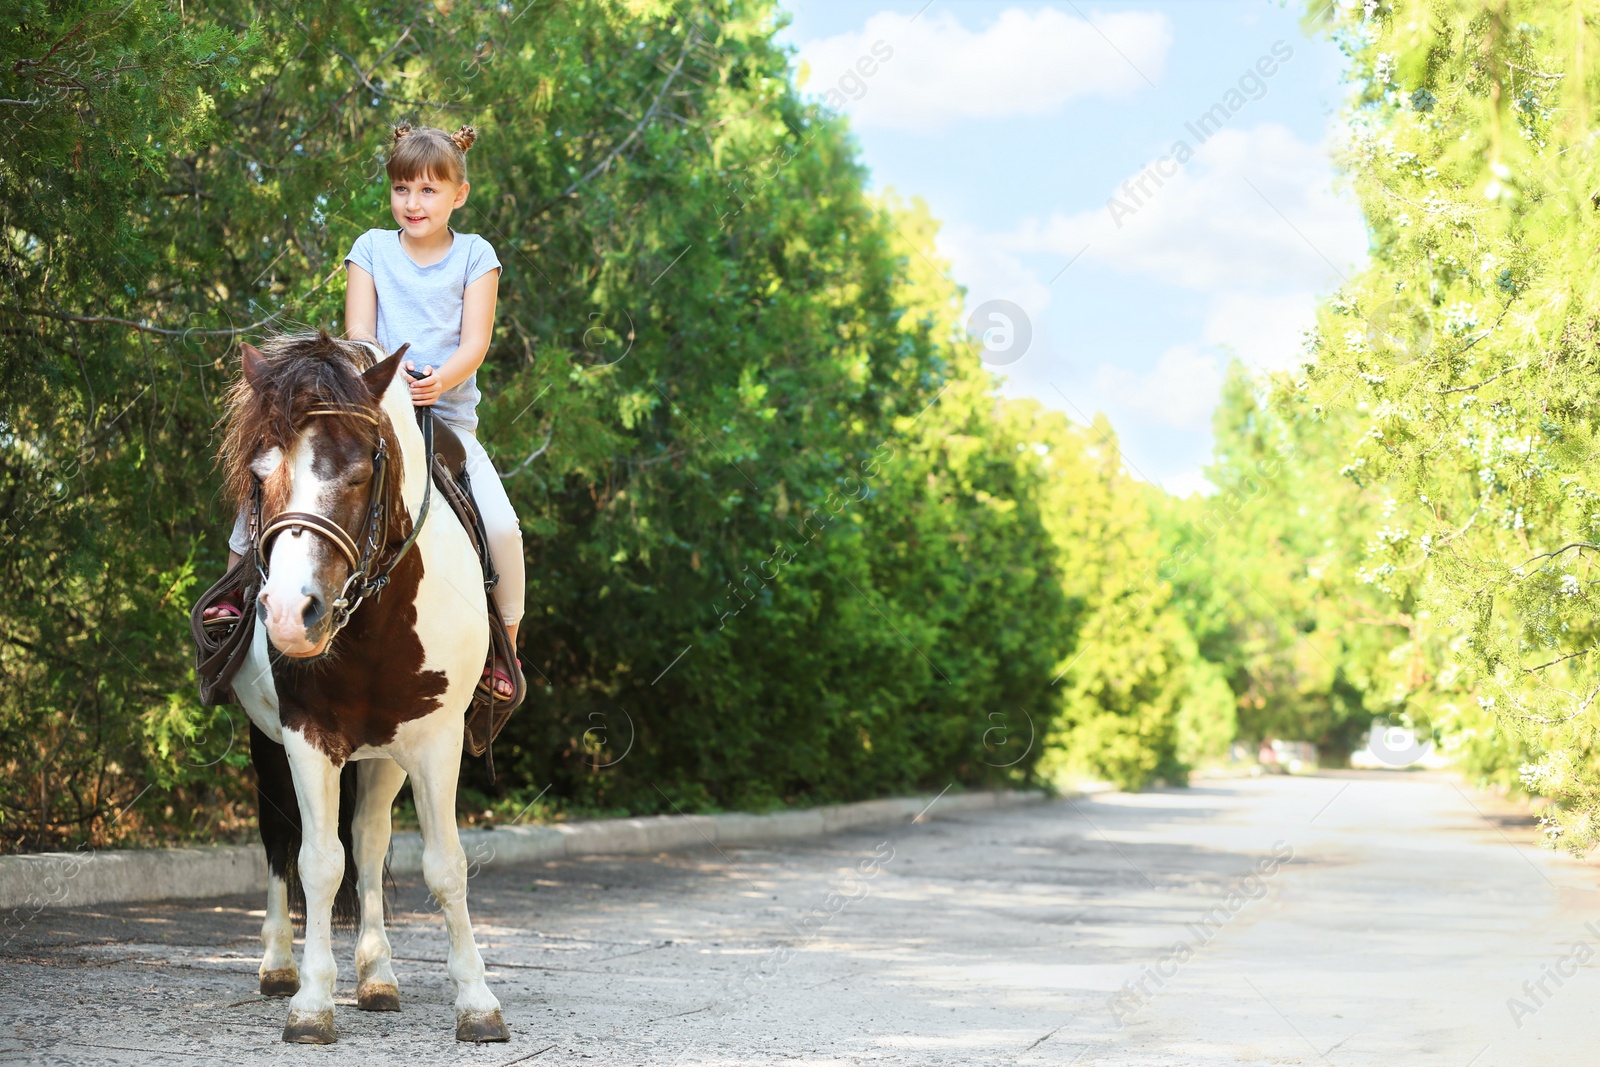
464	137
402	130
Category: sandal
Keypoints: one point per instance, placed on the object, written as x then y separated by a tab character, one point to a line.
222	614
494	677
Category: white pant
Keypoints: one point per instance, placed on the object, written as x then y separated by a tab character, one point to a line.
499	522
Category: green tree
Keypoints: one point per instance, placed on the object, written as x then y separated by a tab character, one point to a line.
1139	702
1259	569
1459	366
780	547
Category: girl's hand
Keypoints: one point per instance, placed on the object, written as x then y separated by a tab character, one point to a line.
425	390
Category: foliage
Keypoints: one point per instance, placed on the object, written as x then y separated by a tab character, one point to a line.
785	544
102	429
1462	367
1263	572
1139	701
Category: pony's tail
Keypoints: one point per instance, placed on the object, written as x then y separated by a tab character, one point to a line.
278	814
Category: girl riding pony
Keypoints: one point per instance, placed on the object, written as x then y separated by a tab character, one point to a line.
426	285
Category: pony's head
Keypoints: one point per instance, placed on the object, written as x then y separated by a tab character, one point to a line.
305	423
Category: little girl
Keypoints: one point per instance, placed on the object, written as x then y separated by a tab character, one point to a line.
429	286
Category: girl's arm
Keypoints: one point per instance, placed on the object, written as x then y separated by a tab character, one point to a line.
477	329
360	305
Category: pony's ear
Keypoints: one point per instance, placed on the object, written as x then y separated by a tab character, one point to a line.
255	364
381	374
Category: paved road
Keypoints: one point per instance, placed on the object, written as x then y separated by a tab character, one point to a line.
1342	919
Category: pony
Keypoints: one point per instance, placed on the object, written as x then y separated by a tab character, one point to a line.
372	630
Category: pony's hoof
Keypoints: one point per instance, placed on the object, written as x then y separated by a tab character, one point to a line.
375	996
310	1028
481	1026
283	982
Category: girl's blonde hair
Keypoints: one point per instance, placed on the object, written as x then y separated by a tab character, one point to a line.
427	151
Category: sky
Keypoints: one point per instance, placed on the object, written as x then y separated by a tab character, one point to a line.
1132	193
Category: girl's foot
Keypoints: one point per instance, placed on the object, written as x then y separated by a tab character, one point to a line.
231	606
223	610
500	679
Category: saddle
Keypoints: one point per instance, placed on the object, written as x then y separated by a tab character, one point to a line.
222	644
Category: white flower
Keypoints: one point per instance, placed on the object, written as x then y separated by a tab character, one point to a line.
1391	536
1460	317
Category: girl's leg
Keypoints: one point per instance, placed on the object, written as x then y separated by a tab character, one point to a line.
505	534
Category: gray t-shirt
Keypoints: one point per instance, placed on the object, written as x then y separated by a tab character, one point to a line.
422	306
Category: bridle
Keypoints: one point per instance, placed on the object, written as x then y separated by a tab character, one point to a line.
367	578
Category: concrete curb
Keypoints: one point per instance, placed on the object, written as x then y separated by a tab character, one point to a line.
31	883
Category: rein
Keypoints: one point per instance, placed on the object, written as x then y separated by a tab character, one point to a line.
365	579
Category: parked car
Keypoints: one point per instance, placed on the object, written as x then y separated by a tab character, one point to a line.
1287	757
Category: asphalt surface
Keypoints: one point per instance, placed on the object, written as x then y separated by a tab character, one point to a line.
1342	919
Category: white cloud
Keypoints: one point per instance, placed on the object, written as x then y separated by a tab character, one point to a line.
1266	331
1187	484
1178	393
1254	209
991	272
927	72
1205	229
1259	275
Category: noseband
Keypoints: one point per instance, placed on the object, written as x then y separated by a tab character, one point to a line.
367	578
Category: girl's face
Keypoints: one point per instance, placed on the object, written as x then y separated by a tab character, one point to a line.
422	205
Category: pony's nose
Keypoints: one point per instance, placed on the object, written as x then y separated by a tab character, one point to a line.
313	610
284	615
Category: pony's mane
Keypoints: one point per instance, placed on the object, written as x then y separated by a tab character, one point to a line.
303	371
